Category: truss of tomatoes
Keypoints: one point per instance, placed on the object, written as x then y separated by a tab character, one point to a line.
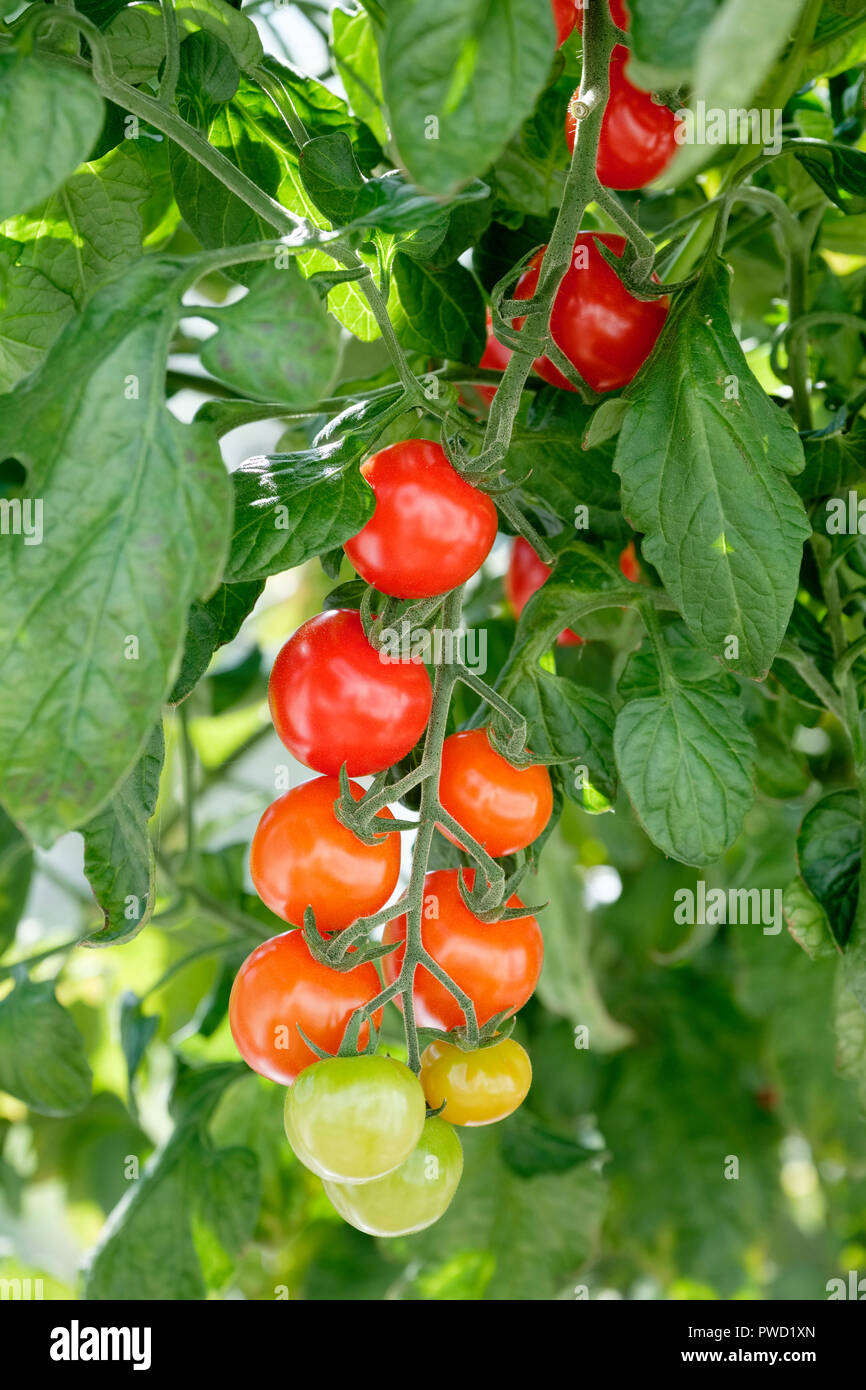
383	1140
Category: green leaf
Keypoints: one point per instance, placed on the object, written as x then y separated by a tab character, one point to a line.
227	24
137	517
152	1245
605	422
689	664
834	462
42	1054
536	1232
546	459
136	42
32	313
838	170
850	1026
736	52
91	227
16	870
278	343
357	60
685	760
666	35
807	921
828	850
701	455
459	79
444	310
292	507
118	855
211	625
529	175
569	986
566	721
529	1148
49	118
137	1030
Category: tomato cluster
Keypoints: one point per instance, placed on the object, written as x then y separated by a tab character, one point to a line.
381	1138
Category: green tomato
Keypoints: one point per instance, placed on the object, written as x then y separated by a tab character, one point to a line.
354	1118
413	1196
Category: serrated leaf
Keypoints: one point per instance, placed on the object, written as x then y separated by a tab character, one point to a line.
702	474
211	625
42	1054
834	462
546	458
136	42
32	313
685	759
92	226
137	520
49	119
566	721
828	851
118	855
459	79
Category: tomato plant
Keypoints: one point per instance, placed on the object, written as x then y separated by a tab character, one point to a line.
403	451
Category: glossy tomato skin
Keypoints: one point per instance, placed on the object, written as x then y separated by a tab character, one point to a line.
280	986
496	964
302	856
524	576
412	1197
603	330
496	357
629	563
503	807
476	1088
354	1119
637	139
430	531
334	699
564	17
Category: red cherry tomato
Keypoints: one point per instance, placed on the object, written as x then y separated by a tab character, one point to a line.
525	575
637	140
495	356
496	964
629	563
503	807
302	856
564	17
335	699
280	986
603	330
618	13
430	531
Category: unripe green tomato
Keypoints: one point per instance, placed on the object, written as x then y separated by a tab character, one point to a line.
412	1197
354	1118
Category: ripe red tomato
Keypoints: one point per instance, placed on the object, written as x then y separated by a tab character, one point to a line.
495	356
637	140
525	575
503	807
430	531
496	964
302	856
603	330
564	17
618	13
280	986
629	563
335	699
